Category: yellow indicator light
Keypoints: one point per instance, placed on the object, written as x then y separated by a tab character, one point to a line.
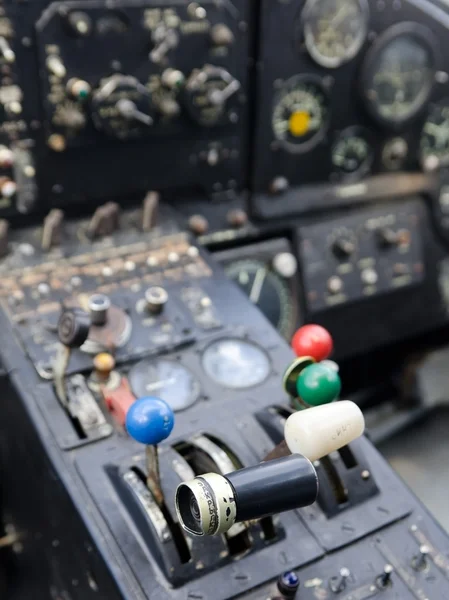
298	123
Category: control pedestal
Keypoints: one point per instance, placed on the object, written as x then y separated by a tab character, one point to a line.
198	349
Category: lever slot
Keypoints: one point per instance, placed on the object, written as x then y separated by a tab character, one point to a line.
282	411
336	484
86	416
273	419
348	457
175	529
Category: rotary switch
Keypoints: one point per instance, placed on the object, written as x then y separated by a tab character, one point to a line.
123	108
343	247
209	93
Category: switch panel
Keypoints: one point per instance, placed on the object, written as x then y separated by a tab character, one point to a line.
361	256
167	80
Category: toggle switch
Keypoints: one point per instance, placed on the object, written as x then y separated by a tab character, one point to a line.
165	39
338	584
52	229
6	50
4	238
150	421
73	330
99	305
129	110
104	221
420	562
150	210
384	579
56	66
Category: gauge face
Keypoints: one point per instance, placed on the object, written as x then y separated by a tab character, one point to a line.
435	135
300	114
399	74
236	363
335	30
167	380
351	153
267	290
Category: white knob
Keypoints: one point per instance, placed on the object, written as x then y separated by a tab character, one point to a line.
318	431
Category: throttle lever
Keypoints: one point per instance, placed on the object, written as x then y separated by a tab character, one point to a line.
210	504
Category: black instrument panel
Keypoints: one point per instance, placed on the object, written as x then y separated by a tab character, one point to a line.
109	101
267	272
359	90
239	99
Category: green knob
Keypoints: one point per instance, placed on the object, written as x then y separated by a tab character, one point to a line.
318	384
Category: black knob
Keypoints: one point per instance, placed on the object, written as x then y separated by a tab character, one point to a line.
387	237
73	327
343	247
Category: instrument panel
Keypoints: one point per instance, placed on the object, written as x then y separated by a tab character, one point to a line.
267	272
106	101
360	90
249	119
262	102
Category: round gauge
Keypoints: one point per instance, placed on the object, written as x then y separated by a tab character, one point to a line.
300	114
165	379
236	363
399	73
267	290
351	153
334	30
435	135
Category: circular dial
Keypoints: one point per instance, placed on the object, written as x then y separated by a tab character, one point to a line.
236	363
300	114
267	290
122	107
167	380
435	135
210	93
334	30
351	153
399	73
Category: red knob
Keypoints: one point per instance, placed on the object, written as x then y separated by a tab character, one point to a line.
314	341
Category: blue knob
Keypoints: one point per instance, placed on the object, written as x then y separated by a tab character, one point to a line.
150	420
